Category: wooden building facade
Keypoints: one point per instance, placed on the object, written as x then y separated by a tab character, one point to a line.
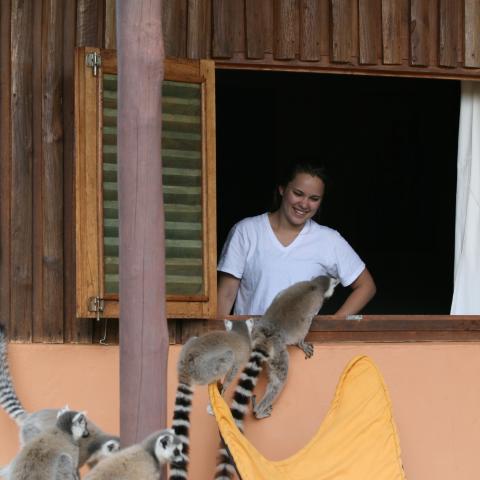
416	38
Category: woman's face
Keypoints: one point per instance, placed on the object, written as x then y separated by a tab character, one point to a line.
301	198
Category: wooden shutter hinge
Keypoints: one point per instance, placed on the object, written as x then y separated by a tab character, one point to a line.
97	305
94	61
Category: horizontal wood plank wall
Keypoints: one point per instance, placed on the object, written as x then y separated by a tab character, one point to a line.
438	38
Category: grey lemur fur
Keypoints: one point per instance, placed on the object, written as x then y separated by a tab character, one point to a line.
31	424
204	360
53	454
286	322
142	461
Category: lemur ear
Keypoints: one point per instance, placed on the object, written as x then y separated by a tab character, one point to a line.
62	410
112	446
79	426
165	439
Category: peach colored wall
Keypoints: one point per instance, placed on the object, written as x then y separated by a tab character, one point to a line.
435	390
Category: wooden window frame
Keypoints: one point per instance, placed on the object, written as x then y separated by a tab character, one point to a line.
89	236
89	181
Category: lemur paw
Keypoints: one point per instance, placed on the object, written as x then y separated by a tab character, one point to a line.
307	348
263	412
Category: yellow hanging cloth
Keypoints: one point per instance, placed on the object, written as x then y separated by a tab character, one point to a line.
356	441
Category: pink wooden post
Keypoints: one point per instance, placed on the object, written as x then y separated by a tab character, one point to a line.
143	324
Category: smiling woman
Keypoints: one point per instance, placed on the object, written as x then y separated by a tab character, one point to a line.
269	252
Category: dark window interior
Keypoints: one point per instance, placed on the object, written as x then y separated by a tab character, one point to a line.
389	146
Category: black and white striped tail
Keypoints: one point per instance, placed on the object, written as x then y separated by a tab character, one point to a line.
8	398
241	398
181	427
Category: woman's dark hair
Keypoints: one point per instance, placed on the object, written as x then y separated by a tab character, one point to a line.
291	172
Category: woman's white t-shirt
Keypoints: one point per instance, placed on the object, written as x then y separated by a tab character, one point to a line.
253	253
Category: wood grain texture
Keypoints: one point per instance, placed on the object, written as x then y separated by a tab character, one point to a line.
174	24
5	162
76	331
285	29
143	324
370	27
371	328
87	221
37	184
22	171
238	26
419	33
450	15
268	7
325	29
110	24
391	30
222	29
209	308
342	33
90	23
310	30
472	35
199	29
51	327
255	28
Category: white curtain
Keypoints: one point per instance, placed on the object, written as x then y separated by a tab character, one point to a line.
466	295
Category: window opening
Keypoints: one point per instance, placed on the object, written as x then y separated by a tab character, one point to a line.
390	148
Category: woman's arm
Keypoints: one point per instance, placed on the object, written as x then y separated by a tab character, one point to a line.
363	290
227	289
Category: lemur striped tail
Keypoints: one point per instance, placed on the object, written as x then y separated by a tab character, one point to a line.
181	427
8	398
241	398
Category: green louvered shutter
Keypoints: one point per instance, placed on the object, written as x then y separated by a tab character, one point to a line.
182	187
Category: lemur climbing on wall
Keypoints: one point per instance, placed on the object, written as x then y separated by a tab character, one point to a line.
203	360
286	322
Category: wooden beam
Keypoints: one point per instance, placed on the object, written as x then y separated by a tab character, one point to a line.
21	241
5	160
370	328
90	23
143	324
50	328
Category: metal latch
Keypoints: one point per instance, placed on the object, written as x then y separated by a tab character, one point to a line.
94	61
97	305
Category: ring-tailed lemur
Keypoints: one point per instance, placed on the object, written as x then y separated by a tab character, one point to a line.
204	360
143	461
53	454
286	322
97	445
